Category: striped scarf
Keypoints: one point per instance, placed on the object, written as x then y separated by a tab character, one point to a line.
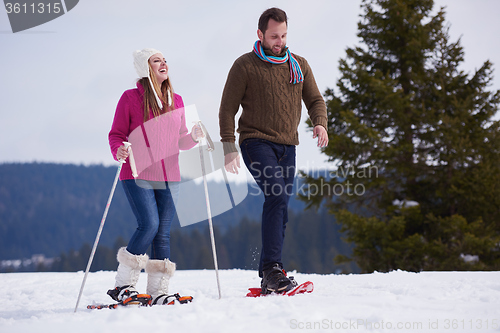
295	70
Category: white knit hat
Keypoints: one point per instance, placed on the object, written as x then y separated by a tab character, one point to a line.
141	58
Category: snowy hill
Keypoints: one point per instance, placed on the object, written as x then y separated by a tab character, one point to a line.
393	302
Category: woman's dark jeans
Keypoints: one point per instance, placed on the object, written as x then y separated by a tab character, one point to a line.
154	209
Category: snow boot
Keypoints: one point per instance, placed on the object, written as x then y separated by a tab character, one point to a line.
275	280
159	274
127	275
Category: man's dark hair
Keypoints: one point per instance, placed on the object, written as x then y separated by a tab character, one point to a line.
272	13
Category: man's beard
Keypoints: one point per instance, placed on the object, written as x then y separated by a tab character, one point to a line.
265	46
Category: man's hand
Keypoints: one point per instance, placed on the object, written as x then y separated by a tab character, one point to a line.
232	162
320	133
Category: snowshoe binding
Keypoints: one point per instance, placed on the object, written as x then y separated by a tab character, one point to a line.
171	299
127	295
275	280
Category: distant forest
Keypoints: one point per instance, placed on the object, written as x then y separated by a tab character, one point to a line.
56	209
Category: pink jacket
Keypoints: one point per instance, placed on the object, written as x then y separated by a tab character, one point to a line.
156	143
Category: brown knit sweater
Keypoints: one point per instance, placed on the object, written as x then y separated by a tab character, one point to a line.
271	104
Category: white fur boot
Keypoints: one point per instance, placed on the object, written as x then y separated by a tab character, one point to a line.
159	274
127	274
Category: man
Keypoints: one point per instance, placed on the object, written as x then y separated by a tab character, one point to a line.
270	84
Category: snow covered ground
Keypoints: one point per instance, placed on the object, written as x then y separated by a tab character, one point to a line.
393	302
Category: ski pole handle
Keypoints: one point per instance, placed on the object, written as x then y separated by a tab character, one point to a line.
130	158
127	145
210	144
198	122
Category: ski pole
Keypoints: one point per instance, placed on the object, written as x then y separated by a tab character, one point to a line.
127	144
210	147
207	199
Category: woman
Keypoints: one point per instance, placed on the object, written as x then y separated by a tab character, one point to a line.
153	194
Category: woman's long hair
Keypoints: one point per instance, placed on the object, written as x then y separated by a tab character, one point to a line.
149	99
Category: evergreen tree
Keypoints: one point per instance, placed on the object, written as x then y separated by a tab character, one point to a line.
408	126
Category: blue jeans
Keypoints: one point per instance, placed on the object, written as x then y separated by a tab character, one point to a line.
154	209
273	167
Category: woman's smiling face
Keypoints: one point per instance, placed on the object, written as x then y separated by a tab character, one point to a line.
159	66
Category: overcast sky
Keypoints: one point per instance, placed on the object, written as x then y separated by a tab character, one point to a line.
60	82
